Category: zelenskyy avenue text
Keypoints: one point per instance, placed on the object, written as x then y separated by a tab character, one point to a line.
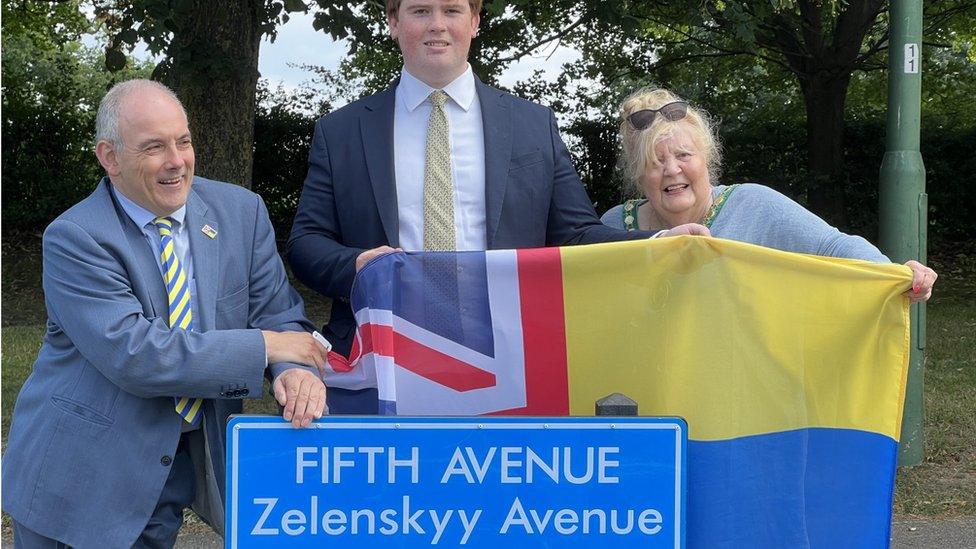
327	465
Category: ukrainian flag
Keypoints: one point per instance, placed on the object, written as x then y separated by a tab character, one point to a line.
789	369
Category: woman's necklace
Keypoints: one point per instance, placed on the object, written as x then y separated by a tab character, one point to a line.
716	207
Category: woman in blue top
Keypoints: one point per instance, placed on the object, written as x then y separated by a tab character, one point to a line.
672	155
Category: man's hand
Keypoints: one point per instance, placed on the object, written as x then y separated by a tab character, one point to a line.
370	254
693	229
298	347
302	393
923	278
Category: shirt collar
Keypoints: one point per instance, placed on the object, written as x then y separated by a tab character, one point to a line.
414	91
143	217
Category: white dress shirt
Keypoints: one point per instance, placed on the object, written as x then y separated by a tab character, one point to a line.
410	119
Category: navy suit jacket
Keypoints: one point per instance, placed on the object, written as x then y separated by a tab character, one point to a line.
533	196
94	426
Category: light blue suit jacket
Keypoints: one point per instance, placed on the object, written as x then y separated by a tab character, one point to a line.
86	457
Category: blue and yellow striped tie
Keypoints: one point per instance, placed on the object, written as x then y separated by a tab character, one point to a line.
178	294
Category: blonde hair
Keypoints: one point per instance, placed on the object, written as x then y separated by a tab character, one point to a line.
638	145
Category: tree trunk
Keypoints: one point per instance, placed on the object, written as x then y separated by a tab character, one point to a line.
824	60
824	98
213	68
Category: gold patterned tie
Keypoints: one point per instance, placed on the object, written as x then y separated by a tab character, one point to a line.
439	231
178	295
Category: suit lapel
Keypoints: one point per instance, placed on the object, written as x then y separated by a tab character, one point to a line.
497	123
206	259
146	273
376	126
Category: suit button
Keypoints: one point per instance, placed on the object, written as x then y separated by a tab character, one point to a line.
166	461
245	391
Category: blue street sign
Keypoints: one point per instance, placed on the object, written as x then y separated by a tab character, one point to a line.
418	481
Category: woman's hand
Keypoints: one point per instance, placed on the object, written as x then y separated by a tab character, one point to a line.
923	278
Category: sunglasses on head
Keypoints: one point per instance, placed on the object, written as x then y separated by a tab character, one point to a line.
675	110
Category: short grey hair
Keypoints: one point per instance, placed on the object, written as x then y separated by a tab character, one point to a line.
107	120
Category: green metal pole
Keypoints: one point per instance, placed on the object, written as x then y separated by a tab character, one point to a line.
903	202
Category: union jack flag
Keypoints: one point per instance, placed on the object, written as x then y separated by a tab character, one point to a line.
461	333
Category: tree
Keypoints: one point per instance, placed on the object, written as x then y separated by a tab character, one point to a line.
211	62
509	31
211	54
52	85
817	45
283	131
820	44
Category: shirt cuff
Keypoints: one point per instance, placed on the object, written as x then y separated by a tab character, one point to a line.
660	233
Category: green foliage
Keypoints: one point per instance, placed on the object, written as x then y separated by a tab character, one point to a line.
154	23
282	137
752	91
283	128
51	89
950	166
51	85
803	53
48	25
509	30
761	125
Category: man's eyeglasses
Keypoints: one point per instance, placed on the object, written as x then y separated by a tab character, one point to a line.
675	110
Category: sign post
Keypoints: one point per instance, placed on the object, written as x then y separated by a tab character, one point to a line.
477	482
903	202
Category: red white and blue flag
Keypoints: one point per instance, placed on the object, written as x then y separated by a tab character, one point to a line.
469	333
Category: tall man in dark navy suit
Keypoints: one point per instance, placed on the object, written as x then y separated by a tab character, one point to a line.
440	161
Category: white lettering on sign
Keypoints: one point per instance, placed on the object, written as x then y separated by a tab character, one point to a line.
568	521
518	465
404	520
568	466
912	58
259	529
354	459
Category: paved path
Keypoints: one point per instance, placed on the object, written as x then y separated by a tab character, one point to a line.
905	533
948	534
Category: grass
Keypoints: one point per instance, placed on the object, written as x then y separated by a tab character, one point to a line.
22	328
944	486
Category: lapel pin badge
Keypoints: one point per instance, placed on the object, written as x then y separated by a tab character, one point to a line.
209	231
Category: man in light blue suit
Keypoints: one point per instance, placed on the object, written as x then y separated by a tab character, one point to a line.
501	178
167	304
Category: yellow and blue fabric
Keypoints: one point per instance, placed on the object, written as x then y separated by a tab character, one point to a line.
789	369
180	311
